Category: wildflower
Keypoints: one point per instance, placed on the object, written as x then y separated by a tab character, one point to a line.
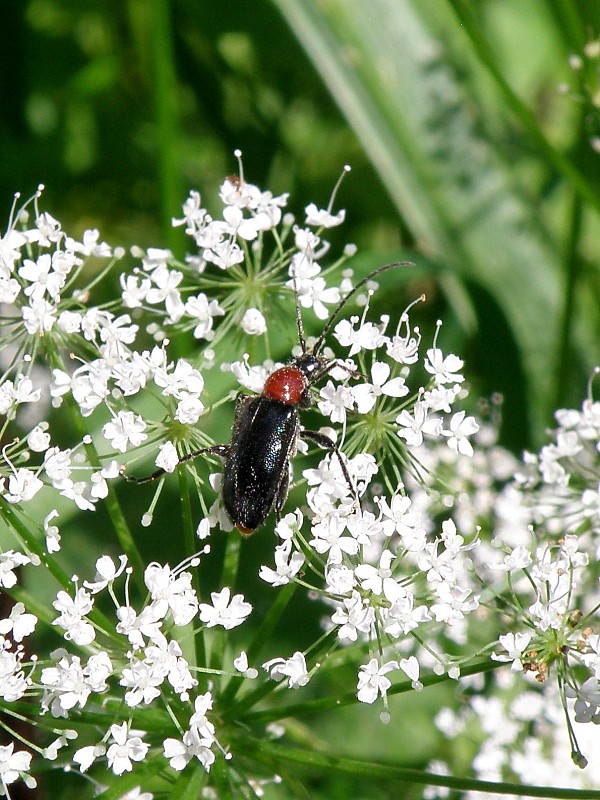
14	766
372	680
366	394
287	565
414	426
171	591
180	753
461	427
19	624
126	747
10	561
321	218
253	322
72	613
125	429
223	612
293	669
514	644
444	369
410	666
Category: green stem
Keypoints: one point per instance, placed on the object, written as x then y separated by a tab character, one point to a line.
190	546
263	635
370	770
111	502
298	710
228	578
32	545
572	274
164	84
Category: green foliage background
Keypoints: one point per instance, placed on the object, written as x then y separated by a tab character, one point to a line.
466	157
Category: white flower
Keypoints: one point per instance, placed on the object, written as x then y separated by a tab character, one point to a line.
204	311
106	572
413	426
72	613
518	558
587	704
182	381
69	684
142	681
514	644
323	218
455	603
126	747
194	745
372	681
366	394
18	624
38	439
52	532
171	592
39	316
125	429
401	617
22	486
189	409
10	560
354	616
314	294
224	613
370	577
335	400
293	668
13	765
407	523
329	538
287	565
167	457
253	322
164	290
461	427
410	666
445	370
241	664
367	337
86	756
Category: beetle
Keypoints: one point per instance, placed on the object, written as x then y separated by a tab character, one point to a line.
266	428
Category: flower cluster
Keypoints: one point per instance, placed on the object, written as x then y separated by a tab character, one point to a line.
537	554
408	531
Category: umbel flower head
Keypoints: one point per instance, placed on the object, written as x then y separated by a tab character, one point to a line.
145	672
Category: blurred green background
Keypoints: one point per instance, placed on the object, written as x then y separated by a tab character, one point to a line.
470	134
463	148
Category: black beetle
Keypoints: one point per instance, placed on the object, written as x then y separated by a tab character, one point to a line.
266	429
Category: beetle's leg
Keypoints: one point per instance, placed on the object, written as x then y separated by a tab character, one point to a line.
327	368
221	450
328	444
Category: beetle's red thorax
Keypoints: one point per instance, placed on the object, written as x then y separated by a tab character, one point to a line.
286	384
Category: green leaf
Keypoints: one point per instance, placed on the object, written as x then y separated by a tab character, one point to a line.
421	125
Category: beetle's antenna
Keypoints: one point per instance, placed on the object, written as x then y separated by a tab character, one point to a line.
299	322
334	314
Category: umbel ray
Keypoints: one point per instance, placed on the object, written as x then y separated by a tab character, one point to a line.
266	429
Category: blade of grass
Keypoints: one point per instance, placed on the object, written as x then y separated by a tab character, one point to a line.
449	179
370	771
